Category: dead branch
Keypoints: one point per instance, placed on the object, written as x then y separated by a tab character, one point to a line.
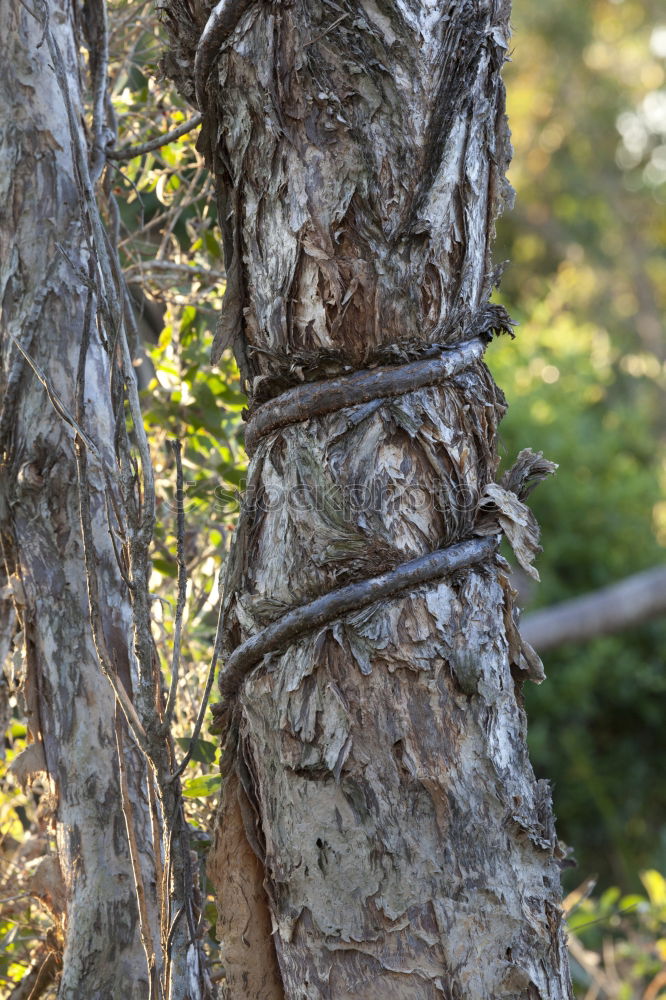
612	609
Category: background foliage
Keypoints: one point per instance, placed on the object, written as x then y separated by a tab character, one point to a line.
585	379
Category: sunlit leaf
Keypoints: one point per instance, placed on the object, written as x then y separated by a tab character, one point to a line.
201	787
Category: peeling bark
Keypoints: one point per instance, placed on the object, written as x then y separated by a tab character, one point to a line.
244	922
44	257
407	851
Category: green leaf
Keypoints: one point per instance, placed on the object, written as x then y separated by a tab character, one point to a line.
203	750
212	246
210	912
655	883
200	788
189	316
165	567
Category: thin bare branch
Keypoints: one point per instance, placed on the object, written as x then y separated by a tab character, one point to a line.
171	268
168	230
131	152
182	584
154	980
217	649
56	401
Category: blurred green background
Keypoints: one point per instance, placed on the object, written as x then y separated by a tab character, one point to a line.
585	380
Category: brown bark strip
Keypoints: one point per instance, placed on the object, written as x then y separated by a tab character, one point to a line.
244	921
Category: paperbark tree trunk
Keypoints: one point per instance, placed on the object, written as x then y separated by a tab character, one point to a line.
49	306
380	816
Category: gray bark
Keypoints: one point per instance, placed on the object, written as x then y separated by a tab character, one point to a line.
44	261
377	767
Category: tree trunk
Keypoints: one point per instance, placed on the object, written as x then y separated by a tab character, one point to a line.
379	787
49	307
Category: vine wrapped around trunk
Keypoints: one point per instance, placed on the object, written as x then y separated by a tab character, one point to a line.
382	833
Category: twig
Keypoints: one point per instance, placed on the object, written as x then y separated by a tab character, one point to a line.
182	584
12	383
607	918
133	16
168	229
330	28
217	649
56	401
172	931
13	899
144	920
177	208
110	505
130	152
172	266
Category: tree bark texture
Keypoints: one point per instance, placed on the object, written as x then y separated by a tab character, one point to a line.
379	763
47	304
